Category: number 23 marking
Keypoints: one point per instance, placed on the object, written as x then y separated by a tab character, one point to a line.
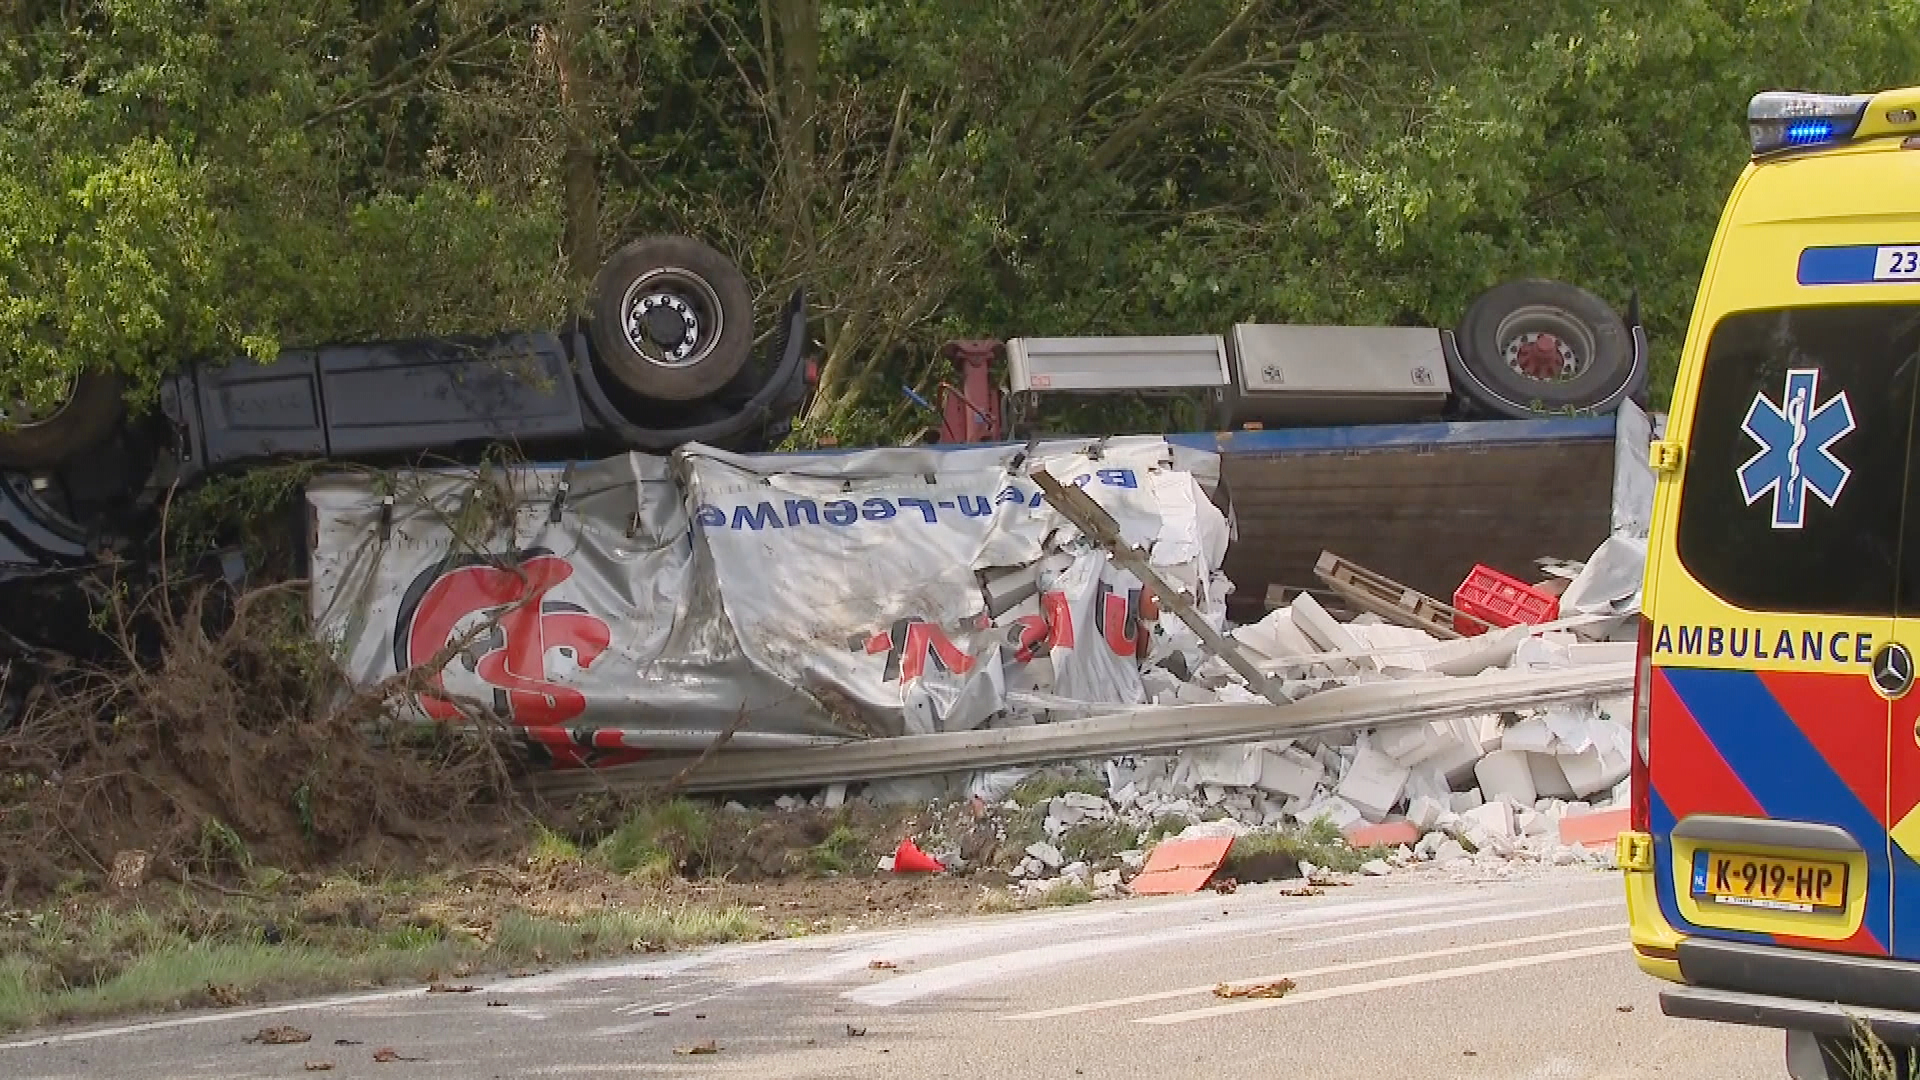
1902	262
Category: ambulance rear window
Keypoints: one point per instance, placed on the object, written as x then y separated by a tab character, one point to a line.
1796	467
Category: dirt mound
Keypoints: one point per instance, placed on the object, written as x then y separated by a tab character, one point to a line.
235	742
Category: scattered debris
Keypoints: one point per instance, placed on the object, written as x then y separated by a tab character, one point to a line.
882	965
496	1003
319	1066
387	1055
129	870
346	1042
707	1046
1623	1008
1224	886
854	1032
224	996
444	988
278	1036
1182	865
1273	989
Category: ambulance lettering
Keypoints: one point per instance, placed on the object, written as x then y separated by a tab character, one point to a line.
1754	643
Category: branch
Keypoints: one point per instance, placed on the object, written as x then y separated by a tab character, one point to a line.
1143	121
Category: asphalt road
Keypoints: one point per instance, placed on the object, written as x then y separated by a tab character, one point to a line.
1427	974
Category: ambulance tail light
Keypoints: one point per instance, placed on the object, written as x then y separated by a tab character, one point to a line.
1779	120
1640	814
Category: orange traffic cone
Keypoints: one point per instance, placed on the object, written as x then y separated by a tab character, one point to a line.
909	859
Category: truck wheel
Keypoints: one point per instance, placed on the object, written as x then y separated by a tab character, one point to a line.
1543	348
672	318
44	438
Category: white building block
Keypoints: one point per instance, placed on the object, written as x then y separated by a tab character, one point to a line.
1425	812
1594	771
1494	819
1374	783
1326	632
1601	652
1223	766
1548	781
1529	736
1276	637
1411	744
1336	810
1464	801
1431	783
1290	772
1504	774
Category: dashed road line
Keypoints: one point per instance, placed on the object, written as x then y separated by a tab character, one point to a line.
1397	981
1330	969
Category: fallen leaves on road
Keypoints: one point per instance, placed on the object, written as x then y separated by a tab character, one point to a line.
443	988
883	965
224	996
387	1054
1223	886
319	1066
1304	890
706	1047
279	1036
1274	989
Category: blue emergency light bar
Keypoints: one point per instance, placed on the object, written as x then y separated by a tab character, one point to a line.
1781	120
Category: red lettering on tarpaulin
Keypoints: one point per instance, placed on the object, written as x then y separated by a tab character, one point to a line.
1124	619
513	659
911	644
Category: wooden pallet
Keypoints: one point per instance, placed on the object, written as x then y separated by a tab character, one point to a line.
1387	598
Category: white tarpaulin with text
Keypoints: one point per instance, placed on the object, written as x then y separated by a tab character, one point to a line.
653	601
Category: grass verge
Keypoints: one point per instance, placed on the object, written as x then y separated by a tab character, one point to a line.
169	954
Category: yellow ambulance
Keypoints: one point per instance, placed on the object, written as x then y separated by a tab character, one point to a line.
1773	860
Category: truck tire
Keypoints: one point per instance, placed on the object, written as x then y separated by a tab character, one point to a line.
672	318
85	419
1543	348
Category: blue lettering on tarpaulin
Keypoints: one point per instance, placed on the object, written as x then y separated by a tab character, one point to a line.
1796	455
757	517
793	513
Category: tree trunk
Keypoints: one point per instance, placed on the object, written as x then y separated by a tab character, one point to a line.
579	171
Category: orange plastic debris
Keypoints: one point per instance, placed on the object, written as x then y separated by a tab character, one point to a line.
1181	866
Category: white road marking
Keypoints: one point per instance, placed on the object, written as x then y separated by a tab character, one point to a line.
1351	989
1002	965
207	1018
1450	924
1330	969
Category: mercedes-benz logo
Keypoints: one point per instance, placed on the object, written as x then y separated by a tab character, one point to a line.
1893	670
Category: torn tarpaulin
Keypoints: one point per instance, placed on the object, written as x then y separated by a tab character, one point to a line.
647	602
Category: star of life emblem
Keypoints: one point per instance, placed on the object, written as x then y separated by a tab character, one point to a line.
1796	440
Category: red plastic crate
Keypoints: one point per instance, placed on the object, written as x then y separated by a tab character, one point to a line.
1490	595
